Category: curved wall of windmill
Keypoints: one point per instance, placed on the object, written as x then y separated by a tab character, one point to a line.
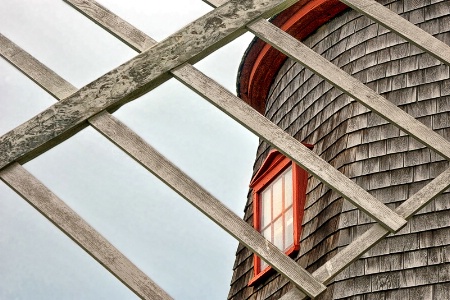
415	262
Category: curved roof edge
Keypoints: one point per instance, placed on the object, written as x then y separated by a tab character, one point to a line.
261	62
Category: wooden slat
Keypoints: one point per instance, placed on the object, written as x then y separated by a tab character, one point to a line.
402	27
130	35
44	77
51	82
257	123
349	85
148	157
54	209
143	153
215	3
375	234
133	78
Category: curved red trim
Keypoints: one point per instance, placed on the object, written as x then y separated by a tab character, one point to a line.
262	62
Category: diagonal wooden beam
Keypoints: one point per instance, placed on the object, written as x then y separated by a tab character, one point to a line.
258	124
123	30
71	224
144	154
402	27
133	78
33	69
215	3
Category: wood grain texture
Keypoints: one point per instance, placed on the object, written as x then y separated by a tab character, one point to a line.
402	27
133	78
148	157
350	85
35	70
69	222
258	124
124	31
215	3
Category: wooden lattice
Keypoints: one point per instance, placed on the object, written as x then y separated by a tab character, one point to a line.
156	63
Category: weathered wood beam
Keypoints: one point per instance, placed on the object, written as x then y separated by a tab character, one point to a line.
349	85
51	82
133	78
215	3
375	234
69	222
124	31
154	162
54	209
143	153
32	68
402	27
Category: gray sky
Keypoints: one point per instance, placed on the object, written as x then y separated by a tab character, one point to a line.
183	251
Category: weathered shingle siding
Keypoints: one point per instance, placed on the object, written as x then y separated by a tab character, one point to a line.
415	263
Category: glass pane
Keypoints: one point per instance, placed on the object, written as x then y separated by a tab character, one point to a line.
267	233
289	229
265	208
277	197
288	193
278	233
262	264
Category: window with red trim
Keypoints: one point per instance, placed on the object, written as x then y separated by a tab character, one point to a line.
279	191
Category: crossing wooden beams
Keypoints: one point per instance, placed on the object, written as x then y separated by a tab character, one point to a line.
133	78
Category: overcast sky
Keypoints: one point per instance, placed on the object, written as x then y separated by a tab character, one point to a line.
184	252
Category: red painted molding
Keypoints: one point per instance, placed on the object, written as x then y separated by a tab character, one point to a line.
262	62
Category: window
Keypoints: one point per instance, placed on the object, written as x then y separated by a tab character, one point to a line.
279	190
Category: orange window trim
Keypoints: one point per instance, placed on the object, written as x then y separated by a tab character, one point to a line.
274	165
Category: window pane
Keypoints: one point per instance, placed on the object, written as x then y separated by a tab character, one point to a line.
262	264
288	187
277	197
278	235
289	229
267	233
265	208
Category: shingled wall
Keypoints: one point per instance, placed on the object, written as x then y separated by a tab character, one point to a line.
415	263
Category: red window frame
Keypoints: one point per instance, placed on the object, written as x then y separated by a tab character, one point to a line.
274	165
